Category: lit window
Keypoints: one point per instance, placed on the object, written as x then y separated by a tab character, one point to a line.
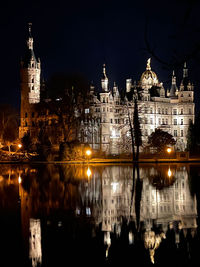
88	211
87	110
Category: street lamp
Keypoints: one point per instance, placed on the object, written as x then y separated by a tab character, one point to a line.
88	152
19	145
169	150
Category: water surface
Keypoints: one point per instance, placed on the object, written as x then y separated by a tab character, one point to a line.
99	214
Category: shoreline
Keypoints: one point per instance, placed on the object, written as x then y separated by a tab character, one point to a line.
104	161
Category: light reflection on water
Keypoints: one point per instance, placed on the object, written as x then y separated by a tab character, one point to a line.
137	211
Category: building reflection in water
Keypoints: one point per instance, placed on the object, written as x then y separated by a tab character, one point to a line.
163	204
35	249
109	195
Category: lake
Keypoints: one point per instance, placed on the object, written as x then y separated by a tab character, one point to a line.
54	214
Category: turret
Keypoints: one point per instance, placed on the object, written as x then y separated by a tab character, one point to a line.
128	85
185	83
104	80
115	90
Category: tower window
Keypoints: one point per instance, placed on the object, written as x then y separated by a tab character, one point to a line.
32	65
181	121
32	87
32	80
26	115
33	114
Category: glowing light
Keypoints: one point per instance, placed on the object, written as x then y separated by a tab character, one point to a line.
19	179
89	172
169	173
19	145
88	152
114	186
169	150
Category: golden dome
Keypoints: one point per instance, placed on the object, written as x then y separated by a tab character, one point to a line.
149	77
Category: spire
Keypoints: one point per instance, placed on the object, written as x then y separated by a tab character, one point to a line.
185	71
148	64
104	80
104	72
30	38
173	78
29	29
174	88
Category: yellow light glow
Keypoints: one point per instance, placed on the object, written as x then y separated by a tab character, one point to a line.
88	152
169	173
19	145
169	150
19	179
89	172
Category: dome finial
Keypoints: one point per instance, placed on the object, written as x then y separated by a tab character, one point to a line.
148	64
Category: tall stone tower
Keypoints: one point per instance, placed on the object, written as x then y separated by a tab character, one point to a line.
30	85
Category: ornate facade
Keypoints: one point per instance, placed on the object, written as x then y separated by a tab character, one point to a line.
107	126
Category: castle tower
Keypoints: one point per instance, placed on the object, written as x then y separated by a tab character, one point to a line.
30	83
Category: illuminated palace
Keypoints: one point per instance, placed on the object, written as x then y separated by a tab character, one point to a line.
108	129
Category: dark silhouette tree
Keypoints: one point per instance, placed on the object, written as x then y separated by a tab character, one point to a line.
8	125
69	100
26	142
191	137
160	139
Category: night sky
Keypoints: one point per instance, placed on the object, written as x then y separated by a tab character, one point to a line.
79	36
